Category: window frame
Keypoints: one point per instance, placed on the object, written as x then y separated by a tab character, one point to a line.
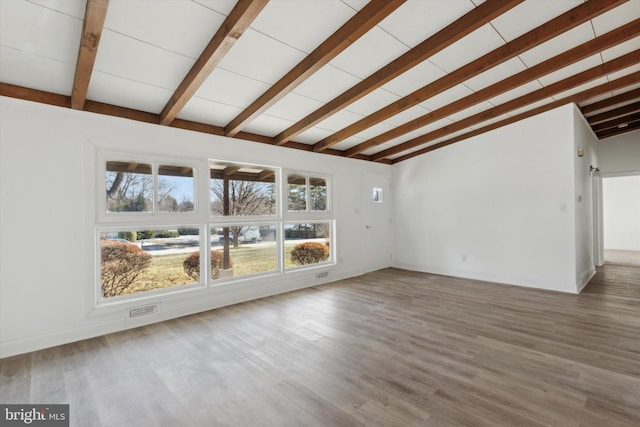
308	212
332	245
157	216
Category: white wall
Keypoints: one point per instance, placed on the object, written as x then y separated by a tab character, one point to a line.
46	246
619	154
500	206
622	212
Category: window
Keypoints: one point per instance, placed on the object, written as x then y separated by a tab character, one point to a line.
145	227
318	194
135	261
157	231
297	186
175	189
377	195
238	190
307	244
129	187
307	193
243	249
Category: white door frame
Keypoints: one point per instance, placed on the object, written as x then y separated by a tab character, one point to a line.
376	237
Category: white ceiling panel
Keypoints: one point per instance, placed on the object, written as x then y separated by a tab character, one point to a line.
374	130
596	99
575	68
37	72
230	88
209	112
313	135
407	115
268	125
73	8
515	93
223	7
582	87
372	102
557	45
369	53
446	97
49	33
327	83
260	57
531	106
394	142
471	111
621	49
417	77
339	120
356	4
481	41
490	121
628	88
132	59
348	143
303	25
164	23
416	133
495	74
125	92
293	107
529	15
430	16
624	72
622	14
434	126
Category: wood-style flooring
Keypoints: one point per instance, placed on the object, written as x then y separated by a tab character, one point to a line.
620	257
393	348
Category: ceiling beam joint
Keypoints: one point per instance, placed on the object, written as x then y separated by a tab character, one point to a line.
236	23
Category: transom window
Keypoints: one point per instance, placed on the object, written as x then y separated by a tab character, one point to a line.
306	193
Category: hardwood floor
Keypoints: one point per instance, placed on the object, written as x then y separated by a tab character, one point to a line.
391	348
620	257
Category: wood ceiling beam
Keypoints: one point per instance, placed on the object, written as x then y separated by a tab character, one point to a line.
535	37
34	95
620	83
621	122
614	37
609	102
612	66
608	115
94	17
473	20
236	23
617	131
363	21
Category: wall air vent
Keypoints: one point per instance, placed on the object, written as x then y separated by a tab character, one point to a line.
143	311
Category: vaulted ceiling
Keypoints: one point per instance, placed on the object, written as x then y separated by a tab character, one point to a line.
379	80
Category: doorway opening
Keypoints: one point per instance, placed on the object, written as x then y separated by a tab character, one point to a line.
621	219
